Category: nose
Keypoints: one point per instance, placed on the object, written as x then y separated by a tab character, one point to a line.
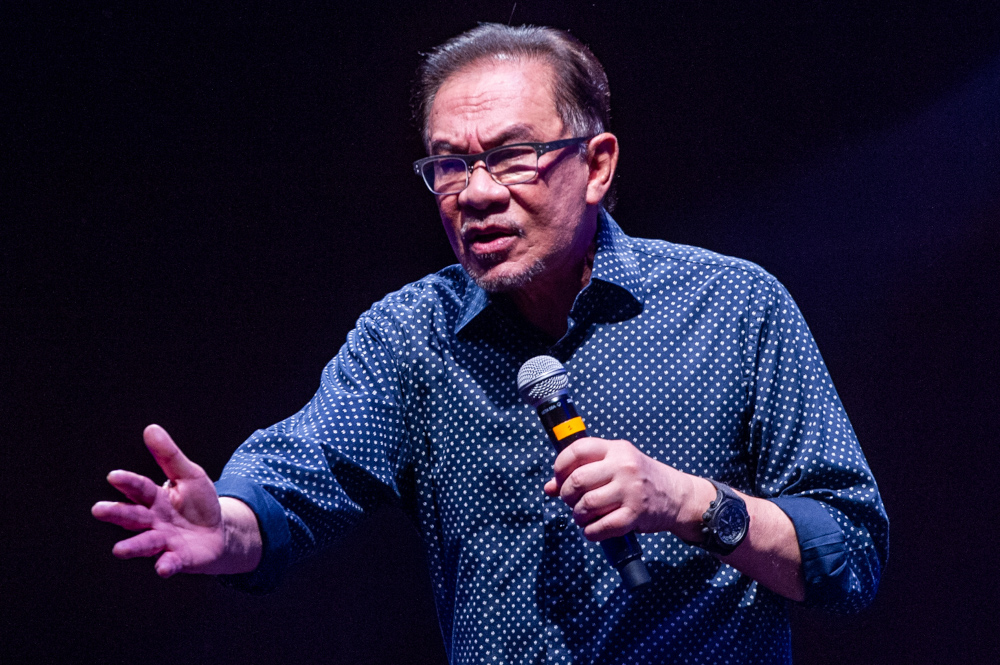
483	191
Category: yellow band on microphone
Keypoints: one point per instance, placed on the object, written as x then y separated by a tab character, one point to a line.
571	426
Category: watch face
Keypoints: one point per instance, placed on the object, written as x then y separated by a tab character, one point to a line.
730	524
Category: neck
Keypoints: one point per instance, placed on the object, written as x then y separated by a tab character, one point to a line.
547	301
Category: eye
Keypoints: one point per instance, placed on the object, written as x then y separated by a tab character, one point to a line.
445	175
448	167
513	165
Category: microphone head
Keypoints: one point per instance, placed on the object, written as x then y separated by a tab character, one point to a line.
540	379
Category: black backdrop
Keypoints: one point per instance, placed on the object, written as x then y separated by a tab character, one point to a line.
198	202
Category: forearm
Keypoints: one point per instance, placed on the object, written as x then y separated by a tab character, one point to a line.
769	553
614	488
243	544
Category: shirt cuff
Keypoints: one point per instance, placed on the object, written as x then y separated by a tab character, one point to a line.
275	536
824	550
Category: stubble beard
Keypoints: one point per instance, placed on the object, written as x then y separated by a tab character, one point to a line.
503	283
479	267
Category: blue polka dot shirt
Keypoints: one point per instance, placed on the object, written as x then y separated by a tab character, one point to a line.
702	361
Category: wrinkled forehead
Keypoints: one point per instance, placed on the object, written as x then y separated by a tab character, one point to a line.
479	102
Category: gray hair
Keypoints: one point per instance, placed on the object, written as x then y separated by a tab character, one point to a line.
580	86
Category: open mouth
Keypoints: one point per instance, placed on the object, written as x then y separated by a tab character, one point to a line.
490	236
490	240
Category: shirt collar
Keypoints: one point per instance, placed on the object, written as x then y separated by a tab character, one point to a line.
614	264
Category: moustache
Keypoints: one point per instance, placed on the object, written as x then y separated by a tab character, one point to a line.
474	227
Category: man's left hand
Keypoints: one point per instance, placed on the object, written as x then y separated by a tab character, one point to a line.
614	488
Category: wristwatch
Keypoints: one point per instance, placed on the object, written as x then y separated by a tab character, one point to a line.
726	522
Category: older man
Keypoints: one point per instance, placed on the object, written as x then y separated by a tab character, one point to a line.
695	371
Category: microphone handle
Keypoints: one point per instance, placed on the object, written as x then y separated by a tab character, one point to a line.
564	426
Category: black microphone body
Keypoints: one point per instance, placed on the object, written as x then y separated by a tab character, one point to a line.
564	426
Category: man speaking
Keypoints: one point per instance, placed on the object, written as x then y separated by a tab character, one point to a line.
714	430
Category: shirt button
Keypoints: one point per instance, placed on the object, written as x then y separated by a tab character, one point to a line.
562	522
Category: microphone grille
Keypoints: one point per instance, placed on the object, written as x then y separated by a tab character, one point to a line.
540	379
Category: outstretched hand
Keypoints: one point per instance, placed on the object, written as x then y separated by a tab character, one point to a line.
182	519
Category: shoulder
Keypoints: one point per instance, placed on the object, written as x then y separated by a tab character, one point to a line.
666	262
432	301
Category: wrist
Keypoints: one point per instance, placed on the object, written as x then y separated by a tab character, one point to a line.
726	523
242	542
696	499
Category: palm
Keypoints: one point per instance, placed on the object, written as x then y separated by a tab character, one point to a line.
182	519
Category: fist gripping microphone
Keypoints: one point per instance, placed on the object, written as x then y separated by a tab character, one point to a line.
542	383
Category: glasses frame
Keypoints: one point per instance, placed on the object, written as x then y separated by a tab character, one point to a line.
471	161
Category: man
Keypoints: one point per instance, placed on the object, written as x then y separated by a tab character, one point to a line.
695	371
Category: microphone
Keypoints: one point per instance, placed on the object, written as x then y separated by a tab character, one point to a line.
542	382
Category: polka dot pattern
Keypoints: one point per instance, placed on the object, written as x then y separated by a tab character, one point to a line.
702	361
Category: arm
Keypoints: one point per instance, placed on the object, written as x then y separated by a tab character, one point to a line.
184	521
818	524
614	488
270	513
312	476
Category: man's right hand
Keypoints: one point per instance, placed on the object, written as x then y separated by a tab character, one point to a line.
196	531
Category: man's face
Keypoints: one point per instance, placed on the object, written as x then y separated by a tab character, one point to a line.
508	237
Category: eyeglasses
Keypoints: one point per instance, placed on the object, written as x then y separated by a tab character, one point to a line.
512	164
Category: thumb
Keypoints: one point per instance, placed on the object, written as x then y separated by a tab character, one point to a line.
166	453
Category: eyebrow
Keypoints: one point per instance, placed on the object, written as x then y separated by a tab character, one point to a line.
513	134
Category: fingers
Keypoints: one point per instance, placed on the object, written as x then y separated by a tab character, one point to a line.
129	516
137	488
147	543
168	565
582	466
608	485
616	523
584	480
596	503
170	458
578	453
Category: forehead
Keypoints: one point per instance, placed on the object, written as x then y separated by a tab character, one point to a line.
490	103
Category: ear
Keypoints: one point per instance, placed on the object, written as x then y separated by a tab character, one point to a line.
602	158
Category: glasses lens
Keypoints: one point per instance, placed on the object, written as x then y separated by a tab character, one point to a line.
445	176
513	165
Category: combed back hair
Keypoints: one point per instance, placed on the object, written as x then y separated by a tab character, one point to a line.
580	86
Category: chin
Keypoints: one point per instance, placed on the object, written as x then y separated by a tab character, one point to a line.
499	278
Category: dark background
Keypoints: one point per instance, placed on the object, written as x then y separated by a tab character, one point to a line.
197	202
